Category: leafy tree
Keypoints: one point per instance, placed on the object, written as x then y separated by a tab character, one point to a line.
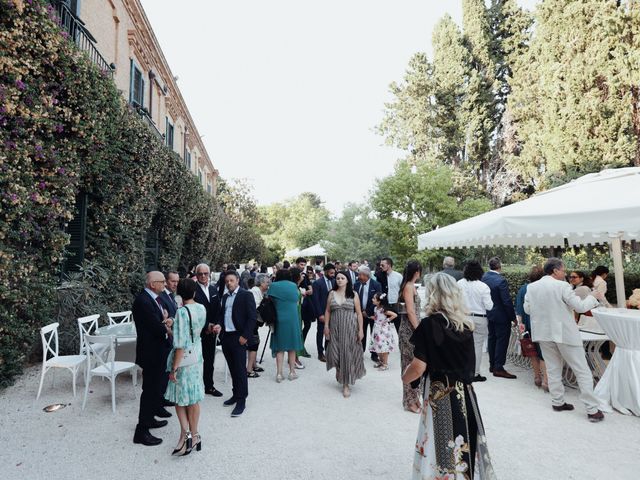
417	199
575	92
298	222
355	235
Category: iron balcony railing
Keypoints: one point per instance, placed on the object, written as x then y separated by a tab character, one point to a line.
74	27
146	118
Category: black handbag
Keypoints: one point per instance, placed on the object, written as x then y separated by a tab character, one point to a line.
267	311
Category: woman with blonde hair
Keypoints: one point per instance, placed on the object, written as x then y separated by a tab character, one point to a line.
445	355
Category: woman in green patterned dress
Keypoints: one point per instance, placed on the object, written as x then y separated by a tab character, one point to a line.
186	388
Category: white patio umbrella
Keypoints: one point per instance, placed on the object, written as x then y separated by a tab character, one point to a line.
597	208
292	253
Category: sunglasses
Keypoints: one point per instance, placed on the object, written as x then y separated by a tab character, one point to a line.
202	273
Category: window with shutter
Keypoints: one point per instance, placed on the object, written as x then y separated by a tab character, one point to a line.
77	229
152	250
169	134
136	95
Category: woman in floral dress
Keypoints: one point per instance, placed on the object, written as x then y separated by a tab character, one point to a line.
382	338
451	442
186	387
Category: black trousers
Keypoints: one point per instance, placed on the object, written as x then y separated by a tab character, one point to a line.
367	324
320	341
209	358
236	357
305	330
498	343
153	380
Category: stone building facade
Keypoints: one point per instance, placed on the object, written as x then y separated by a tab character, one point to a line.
125	39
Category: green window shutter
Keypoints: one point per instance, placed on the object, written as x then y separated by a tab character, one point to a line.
77	229
131	81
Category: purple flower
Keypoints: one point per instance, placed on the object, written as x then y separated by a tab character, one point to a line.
20	85
13	197
58	128
33	196
61	171
64	34
10	144
42	185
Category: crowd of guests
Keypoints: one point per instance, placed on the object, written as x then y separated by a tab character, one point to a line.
181	321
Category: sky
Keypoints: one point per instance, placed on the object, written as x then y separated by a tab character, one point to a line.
287	93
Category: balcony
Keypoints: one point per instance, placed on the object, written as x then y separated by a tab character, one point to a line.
146	118
77	32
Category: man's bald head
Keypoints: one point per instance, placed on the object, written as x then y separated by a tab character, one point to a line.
155	281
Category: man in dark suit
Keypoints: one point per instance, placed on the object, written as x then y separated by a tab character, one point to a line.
152	349
321	289
352	271
366	288
168	299
235	324
449	267
208	296
499	319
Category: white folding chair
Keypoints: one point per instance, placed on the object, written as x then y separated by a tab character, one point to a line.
86	326
106	366
119	318
73	363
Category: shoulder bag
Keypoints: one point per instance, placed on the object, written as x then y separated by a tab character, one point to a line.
190	356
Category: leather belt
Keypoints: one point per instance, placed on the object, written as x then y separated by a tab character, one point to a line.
477	315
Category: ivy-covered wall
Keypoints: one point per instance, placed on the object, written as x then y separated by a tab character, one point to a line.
64	129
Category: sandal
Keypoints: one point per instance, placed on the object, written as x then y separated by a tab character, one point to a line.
537	380
383	367
252	374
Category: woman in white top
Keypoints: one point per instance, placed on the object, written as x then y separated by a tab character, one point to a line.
477	296
599	277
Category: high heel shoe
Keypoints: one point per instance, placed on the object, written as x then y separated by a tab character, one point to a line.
279	378
292	376
198	444
185	448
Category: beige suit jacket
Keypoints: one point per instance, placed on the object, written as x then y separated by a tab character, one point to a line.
550	303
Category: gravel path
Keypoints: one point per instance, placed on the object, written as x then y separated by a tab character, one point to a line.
301	430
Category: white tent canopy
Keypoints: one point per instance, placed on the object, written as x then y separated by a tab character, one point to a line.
313	251
292	253
597	208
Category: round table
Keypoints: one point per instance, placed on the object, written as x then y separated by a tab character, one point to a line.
619	387
125	336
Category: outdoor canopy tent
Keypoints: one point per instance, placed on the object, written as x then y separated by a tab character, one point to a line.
313	251
597	208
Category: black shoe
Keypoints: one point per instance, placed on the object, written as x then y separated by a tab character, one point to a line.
212	391
163	413
503	374
145	438
322	358
237	411
231	401
490	369
479	378
374	357
156	424
167	403
595	417
563	407
258	369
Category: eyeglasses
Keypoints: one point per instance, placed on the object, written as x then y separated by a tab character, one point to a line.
202	273
158	281
574	276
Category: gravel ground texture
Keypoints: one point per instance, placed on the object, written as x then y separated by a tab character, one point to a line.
302	429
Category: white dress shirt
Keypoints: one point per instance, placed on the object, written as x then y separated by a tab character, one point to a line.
154	295
365	295
550	304
394	280
228	311
205	289
257	295
477	295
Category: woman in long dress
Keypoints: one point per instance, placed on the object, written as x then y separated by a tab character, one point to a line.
186	388
409	311
343	331
287	336
451	441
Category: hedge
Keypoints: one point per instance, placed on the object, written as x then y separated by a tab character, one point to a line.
64	129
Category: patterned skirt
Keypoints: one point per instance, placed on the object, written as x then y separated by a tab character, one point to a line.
410	396
344	350
451	442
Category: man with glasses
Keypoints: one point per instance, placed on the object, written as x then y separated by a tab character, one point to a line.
551	302
152	349
207	295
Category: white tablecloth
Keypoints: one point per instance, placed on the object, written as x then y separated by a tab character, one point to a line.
619	387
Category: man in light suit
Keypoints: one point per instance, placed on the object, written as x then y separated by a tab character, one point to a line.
551	302
321	288
235	324
207	295
366	288
499	319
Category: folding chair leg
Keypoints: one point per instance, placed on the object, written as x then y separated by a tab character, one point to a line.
44	370
86	391
113	394
73	375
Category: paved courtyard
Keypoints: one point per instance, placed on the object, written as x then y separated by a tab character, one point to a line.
301	430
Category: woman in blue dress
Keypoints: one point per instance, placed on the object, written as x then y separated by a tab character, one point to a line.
287	336
186	387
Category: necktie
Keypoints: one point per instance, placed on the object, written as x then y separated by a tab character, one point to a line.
328	285
362	296
159	302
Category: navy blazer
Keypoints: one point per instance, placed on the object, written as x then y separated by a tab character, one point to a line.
374	287
503	311
243	313
212	305
320	295
151	344
169	304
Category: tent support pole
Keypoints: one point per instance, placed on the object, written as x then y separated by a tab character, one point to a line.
616	253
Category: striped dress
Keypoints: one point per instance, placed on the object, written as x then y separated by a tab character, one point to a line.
344	350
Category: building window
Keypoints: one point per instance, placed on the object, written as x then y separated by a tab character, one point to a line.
136	87
169	134
209	188
187	159
200	176
77	231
